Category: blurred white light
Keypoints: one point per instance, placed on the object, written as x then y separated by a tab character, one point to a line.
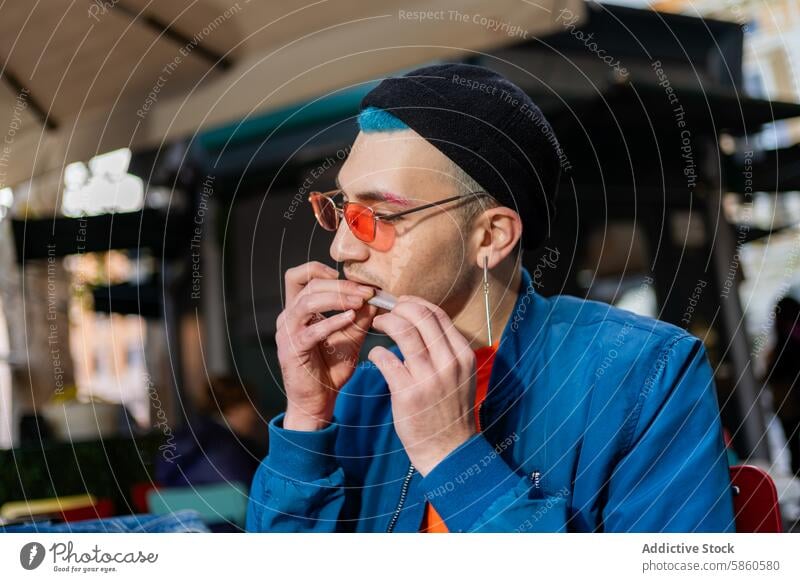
111	163
6	197
102	186
75	175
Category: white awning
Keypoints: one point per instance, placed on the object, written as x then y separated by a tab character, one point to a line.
108	74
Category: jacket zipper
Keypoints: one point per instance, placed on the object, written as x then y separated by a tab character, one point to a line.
536	476
402	500
407	480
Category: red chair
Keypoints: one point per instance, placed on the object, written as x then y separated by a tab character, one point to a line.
755	501
139	493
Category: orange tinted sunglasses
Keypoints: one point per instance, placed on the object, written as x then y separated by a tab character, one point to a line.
364	223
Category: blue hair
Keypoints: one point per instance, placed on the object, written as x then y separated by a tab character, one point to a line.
373	119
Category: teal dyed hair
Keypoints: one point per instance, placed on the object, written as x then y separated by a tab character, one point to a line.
372	120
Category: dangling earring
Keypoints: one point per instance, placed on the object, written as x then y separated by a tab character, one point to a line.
486	296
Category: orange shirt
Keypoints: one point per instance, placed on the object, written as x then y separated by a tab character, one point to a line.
431	521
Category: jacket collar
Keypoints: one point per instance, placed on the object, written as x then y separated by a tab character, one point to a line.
513	369
519	343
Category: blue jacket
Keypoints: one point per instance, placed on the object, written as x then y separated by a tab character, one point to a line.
596	419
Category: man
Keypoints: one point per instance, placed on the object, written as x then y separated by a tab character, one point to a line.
574	416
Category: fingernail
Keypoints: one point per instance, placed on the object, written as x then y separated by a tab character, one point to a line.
366	289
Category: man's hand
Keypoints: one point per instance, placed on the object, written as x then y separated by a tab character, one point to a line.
433	390
317	354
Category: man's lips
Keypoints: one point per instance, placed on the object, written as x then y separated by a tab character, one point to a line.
360	281
381	299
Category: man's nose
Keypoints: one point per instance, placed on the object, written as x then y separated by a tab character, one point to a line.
346	247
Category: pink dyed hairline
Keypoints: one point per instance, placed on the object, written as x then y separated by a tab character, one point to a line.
396	199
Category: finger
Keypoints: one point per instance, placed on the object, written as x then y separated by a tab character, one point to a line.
407	338
440	350
314	334
457	340
298	277
364	317
337	286
391	368
361	324
307	306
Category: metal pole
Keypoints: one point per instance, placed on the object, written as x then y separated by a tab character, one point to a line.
746	391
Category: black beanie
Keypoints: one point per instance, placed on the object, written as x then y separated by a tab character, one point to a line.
490	128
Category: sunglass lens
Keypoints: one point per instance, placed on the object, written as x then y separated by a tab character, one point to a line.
325	211
361	221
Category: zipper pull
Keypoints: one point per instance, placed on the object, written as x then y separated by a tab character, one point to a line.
536	478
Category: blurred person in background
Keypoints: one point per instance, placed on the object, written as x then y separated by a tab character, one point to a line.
783	370
223	443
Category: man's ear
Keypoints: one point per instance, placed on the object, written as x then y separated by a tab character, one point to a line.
500	229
